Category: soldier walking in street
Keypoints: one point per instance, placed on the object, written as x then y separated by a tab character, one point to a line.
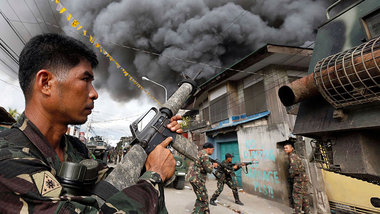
298	176
226	175
198	175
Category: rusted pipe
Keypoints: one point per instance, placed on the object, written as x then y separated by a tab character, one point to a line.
338	77
298	90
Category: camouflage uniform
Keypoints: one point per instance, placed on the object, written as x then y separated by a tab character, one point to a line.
28	165
226	175
198	175
300	181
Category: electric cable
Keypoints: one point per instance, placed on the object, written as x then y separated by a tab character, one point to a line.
19	19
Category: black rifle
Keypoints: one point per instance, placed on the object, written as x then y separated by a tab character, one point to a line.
232	164
153	132
245	165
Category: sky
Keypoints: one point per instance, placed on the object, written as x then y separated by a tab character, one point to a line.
164	40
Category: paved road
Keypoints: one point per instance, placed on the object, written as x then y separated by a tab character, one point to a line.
182	202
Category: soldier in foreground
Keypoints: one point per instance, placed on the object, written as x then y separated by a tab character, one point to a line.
300	181
56	74
198	175
226	175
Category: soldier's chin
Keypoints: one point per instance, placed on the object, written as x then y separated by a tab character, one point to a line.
78	121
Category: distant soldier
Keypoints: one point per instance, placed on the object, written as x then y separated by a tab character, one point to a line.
198	175
226	175
299	179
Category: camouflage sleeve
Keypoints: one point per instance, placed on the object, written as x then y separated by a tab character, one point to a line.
238	167
27	186
227	167
206	164
140	198
293	166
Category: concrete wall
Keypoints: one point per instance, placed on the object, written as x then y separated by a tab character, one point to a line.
267	178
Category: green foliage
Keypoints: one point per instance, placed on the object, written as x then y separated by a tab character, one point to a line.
185	122
14	113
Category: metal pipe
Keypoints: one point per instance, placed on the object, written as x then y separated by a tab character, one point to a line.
346	78
298	90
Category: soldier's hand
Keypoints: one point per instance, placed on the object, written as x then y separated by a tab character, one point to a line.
174	126
161	160
235	166
214	165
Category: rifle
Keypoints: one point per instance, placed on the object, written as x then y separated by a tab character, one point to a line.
245	165
238	164
146	138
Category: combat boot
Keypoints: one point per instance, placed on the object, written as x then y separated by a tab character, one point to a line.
212	201
237	201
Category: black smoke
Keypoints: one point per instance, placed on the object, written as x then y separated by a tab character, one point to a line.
212	32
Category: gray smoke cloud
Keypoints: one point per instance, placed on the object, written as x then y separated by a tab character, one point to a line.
216	33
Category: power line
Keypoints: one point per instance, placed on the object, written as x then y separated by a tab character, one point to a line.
52	12
12	27
39	11
31	11
18	87
19	19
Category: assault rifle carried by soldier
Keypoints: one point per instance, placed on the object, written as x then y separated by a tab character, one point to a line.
43	170
225	174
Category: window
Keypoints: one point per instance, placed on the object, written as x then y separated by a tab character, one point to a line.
219	109
371	24
254	98
205	114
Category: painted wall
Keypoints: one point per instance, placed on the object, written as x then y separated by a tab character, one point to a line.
268	176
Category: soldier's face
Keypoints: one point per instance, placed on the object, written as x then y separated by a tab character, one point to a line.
229	160
209	151
288	149
75	94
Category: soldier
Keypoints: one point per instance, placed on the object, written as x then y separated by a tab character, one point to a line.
56	74
198	175
226	175
299	179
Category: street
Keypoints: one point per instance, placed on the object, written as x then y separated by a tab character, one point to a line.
182	201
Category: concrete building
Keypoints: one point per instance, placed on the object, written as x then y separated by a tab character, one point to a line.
238	110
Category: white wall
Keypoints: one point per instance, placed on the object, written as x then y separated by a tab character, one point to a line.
267	178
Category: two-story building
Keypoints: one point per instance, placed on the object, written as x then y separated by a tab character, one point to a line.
238	110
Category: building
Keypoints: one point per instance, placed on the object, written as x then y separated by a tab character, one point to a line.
239	111
73	130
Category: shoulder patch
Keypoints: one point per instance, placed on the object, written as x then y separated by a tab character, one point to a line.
47	184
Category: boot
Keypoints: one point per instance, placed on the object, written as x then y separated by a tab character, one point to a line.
212	201
237	201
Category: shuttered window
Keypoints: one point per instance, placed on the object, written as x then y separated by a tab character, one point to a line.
205	114
219	109
254	98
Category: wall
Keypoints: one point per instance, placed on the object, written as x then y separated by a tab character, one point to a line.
268	176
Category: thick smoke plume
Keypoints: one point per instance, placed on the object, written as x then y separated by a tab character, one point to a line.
213	32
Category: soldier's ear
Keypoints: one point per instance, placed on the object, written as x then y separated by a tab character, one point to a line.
43	82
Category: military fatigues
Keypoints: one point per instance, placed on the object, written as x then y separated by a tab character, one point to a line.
28	166
226	175
300	182
198	175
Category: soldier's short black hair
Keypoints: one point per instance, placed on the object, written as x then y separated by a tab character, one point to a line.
228	155
208	145
288	142
56	52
